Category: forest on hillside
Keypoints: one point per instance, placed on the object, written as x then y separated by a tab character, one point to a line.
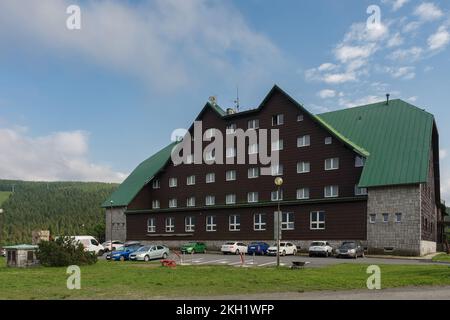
64	208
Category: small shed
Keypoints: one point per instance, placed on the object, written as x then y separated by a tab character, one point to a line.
23	255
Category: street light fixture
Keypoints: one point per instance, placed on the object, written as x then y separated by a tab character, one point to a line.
278	182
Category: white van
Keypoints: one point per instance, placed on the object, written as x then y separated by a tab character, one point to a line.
90	244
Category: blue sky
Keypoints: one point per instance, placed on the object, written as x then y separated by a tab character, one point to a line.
91	104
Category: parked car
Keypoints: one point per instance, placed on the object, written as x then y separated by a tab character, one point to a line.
257	248
90	244
3	252
116	244
123	253
320	248
148	253
234	248
285	249
131	243
193	247
350	249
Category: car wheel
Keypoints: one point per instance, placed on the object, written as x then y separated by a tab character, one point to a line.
310	254
122	258
164	256
146	258
283	253
237	251
204	251
294	252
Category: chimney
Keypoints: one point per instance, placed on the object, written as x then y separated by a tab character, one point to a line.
231	111
387	98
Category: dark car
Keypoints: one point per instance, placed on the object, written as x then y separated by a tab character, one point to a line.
259	248
123	253
350	249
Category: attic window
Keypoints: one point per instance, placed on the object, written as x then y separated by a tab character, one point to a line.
359	161
328	140
299	117
156	184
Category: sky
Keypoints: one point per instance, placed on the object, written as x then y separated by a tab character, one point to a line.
90	104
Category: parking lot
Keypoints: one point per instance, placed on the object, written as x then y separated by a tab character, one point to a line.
270	261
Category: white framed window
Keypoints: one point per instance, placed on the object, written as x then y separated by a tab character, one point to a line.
332	164
209	133
259	222
253	124
277	120
317	220
190	181
299	117
231	128
328	140
155	204
398	217
156	184
230	175
303	141
303	193
189	224
151	225
253	173
359	161
230	152
210	200
274	196
360	191
190	202
331	191
235	222
253	148
211	155
190	159
173	182
277	170
170	224
230	199
252	197
211	224
172	203
210	177
287	221
385	217
277	145
303	167
372	218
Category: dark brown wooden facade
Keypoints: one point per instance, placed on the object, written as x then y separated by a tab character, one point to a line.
345	215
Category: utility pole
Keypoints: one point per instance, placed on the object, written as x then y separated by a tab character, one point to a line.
278	183
111	244
1	225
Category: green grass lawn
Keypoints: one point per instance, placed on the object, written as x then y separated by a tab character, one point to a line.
4	195
117	280
442	257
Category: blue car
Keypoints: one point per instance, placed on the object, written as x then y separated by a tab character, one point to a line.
123	253
259	248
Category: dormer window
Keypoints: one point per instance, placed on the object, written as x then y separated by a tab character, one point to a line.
277	120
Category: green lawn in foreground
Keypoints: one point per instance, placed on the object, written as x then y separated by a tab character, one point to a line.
442	257
128	280
4	195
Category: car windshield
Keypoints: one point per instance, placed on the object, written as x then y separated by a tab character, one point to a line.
230	243
317	244
120	249
281	244
255	244
349	245
141	249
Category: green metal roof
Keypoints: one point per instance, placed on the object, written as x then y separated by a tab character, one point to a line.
139	178
397	136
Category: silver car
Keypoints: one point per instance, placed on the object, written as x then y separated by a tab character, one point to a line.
147	253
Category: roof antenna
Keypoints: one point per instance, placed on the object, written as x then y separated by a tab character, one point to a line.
236	102
387	98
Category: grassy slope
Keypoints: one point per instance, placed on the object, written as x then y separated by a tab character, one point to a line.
127	280
4	195
442	257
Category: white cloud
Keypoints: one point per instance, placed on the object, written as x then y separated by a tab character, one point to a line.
411	26
428	11
337	78
164	42
412	99
326	93
327	67
406	73
359	101
408	55
445	181
443	153
395	41
439	39
396	4
346	53
54	157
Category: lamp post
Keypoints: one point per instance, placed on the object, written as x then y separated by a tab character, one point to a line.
1	225
278	183
111	220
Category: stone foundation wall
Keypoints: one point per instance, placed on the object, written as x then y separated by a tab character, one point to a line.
403	238
119	224
427	247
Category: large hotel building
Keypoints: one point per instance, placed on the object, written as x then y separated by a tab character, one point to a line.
368	173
